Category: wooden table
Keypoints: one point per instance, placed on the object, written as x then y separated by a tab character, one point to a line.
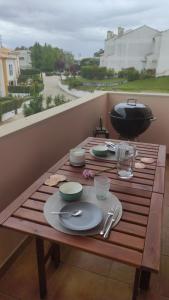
134	241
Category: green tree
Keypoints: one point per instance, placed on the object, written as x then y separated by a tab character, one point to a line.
36	56
47	58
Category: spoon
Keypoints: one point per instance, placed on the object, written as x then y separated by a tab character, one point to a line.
74	213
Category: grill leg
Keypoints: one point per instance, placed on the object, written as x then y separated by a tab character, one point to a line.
136	284
41	267
145	280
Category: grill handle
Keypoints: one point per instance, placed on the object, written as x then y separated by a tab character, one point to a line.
132	102
153	119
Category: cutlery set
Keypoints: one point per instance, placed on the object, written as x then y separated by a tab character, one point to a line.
110	219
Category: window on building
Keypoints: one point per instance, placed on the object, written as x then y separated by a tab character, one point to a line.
10	69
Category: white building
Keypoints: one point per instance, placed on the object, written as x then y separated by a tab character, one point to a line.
24	58
9	70
141	48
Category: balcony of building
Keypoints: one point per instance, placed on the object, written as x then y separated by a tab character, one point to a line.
31	146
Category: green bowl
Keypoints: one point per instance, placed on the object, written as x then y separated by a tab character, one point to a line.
100	150
70	191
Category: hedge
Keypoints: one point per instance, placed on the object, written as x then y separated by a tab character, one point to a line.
30	71
10	104
34	88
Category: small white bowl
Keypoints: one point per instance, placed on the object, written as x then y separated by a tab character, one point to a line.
100	150
70	191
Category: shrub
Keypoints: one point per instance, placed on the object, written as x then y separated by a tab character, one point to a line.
74	82
8	104
19	89
130	74
149	73
34	107
59	99
110	73
93	72
48	101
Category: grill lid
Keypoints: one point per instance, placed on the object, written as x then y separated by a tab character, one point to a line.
131	110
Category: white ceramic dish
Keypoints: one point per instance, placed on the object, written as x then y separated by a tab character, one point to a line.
70	191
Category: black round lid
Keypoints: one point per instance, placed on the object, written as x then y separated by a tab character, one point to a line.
131	110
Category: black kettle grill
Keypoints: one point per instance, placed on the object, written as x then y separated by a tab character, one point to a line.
131	118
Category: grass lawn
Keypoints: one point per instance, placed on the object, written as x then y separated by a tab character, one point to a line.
160	84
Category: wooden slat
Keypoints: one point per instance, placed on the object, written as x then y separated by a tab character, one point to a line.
142	210
30	215
22	198
126	240
33	204
134	218
151	256
159	180
47	189
132	229
88	244
133	199
161	156
40	196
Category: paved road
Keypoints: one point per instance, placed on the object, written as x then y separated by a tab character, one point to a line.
51	88
51	84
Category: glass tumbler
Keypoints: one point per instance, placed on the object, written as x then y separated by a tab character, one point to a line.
125	160
102	186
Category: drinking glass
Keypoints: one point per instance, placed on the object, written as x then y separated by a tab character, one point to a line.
102	186
125	160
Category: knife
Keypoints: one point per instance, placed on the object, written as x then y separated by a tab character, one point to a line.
113	219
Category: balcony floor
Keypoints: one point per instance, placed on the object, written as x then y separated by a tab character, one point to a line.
85	276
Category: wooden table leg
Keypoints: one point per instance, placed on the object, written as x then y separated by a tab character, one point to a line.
55	254
145	280
41	267
136	284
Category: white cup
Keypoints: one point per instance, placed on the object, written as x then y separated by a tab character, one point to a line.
77	156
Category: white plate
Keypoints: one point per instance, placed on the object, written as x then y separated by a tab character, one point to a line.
91	216
56	203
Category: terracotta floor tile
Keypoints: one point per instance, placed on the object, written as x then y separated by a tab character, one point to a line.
164	276
87	261
116	290
74	283
165	241
122	273
6	297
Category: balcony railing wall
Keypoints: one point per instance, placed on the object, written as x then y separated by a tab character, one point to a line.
31	146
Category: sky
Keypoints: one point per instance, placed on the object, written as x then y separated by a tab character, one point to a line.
78	26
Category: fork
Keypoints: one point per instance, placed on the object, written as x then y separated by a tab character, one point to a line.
109	214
